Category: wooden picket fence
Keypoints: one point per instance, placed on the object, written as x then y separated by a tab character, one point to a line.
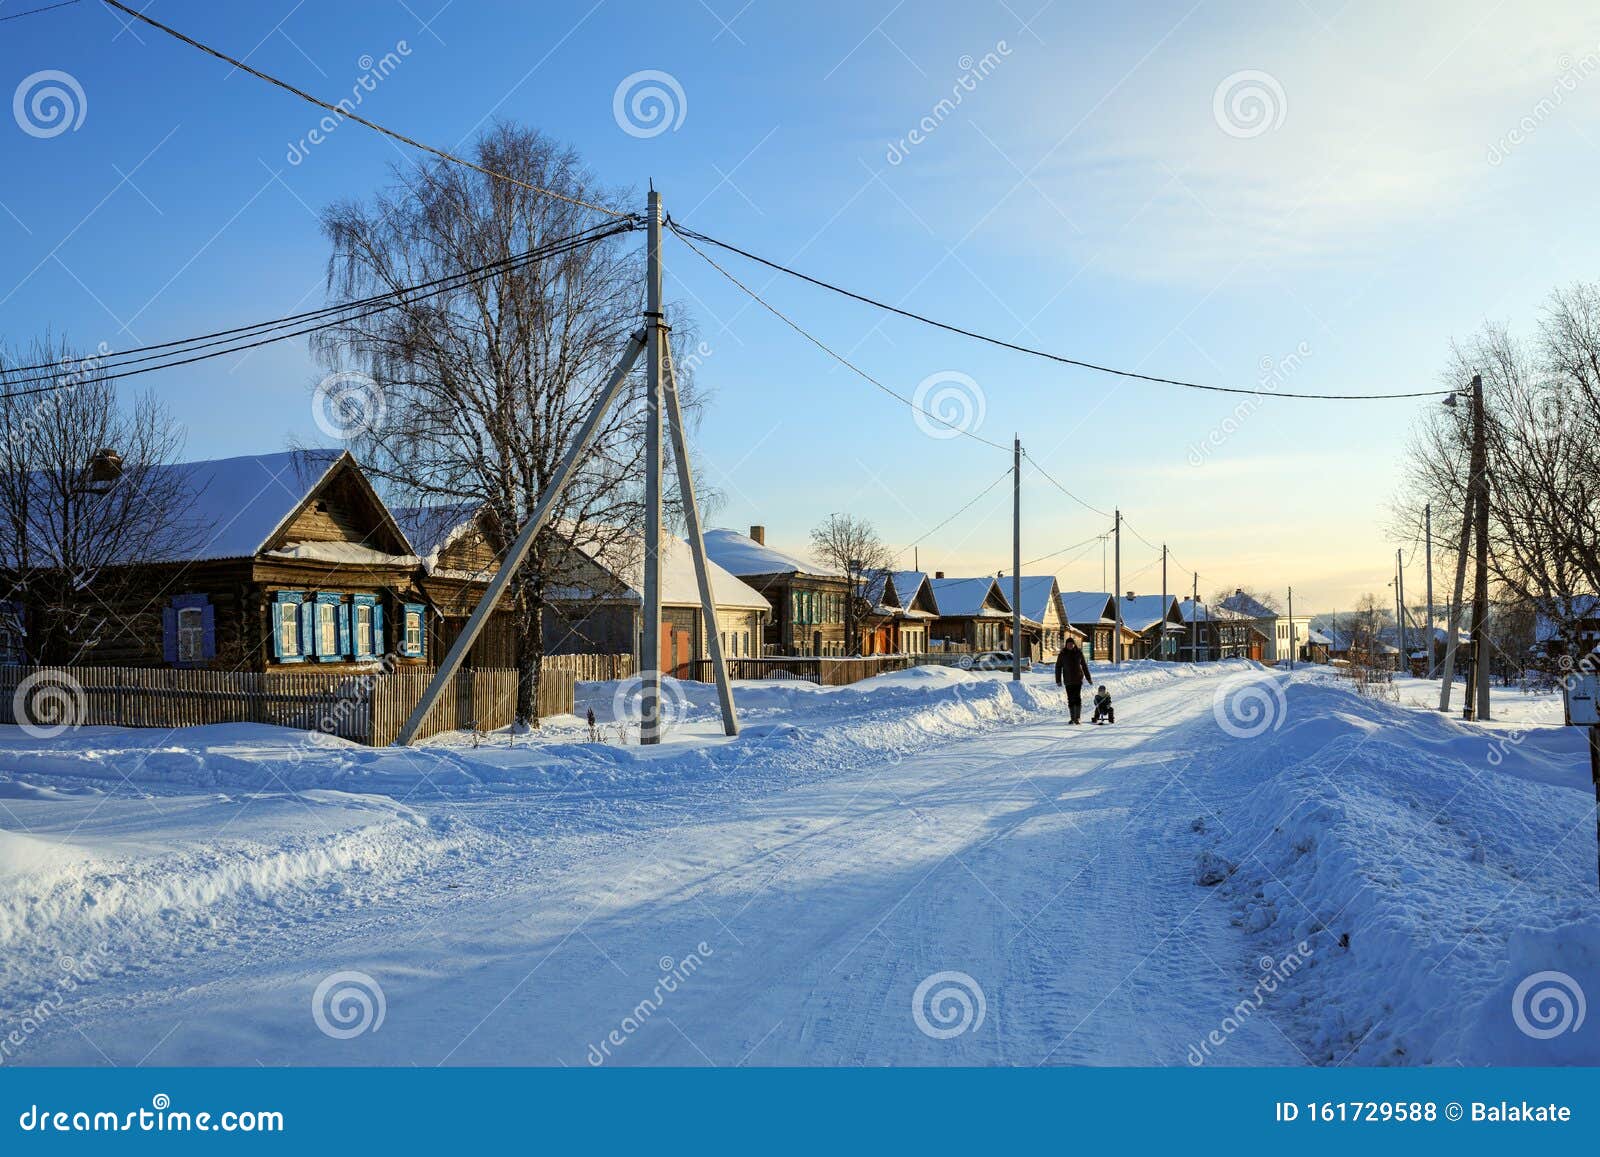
367	708
830	672
591	668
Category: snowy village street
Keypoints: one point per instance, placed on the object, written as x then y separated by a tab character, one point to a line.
794	888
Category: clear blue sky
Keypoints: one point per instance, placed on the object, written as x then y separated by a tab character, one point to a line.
1095	191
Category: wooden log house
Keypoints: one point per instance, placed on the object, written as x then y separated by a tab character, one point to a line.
294	564
807	600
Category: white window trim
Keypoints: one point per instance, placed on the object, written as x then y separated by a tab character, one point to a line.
195	633
364	639
289	630
327	628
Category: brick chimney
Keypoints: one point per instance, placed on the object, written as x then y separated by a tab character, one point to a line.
759	534
938	574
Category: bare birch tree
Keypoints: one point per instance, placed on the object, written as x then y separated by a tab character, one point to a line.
481	389
87	488
1542	403
851	546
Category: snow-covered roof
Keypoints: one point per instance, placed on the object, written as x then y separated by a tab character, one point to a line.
967	598
623	558
1318	639
741	555
1255	608
1037	593
908	584
343	554
431	529
237	505
879	590
1141	612
1088	606
1551	613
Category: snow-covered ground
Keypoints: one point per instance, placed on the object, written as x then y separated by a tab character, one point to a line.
932	867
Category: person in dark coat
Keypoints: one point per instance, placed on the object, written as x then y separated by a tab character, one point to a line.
1072	672
1103	711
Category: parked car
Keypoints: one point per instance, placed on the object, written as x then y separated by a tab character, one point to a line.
992	661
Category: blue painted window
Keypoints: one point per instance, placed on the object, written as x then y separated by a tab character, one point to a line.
365	622
413	631
189	630
326	628
289	636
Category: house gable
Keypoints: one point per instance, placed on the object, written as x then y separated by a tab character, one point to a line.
341	508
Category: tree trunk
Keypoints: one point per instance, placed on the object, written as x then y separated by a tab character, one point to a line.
530	648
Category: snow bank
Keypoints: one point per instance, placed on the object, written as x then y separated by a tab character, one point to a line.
1434	867
222	869
790	729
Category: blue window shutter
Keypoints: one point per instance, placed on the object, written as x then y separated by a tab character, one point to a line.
277	630
208	631
291	606
346	643
169	634
308	628
378	647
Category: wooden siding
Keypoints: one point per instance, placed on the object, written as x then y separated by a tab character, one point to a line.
342	509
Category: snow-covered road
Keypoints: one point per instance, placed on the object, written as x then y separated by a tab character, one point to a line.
1036	882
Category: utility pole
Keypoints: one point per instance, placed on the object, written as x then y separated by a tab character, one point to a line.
1427	546
1400	596
1162	654
662	405
1480	532
695	535
1194	620
1116	595
1016	558
1453	623
1294	646
650	644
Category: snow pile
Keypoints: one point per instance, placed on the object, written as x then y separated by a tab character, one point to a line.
790	729
108	901
1434	867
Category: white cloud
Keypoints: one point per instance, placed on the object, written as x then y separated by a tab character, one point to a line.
1376	123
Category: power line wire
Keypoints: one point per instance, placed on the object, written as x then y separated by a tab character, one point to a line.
36	11
838	357
1086	543
685	232
201	341
934	530
337	110
1051	479
91	372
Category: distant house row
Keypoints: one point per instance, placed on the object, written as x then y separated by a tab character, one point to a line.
299	563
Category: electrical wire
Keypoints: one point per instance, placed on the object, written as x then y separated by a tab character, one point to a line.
403	297
1137	535
1085	544
838	357
934	530
36	11
1048	477
361	120
201	341
685	232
